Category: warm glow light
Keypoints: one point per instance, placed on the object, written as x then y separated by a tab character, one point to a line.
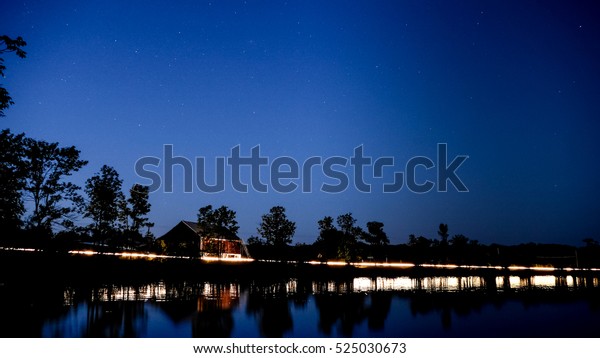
155	292
543	281
394	284
499	281
226	259
570	281
83	252
514	281
336	263
364	284
17	249
444	266
329	263
358	264
223	292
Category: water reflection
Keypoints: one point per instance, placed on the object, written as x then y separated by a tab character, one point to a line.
214	308
268	303
361	306
457	284
352	309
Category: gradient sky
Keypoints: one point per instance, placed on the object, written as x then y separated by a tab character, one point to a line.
515	85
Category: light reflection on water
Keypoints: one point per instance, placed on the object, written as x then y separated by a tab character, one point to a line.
437	306
159	291
453	284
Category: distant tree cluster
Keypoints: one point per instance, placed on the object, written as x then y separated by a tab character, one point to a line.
275	235
348	241
342	240
117	221
36	173
458	249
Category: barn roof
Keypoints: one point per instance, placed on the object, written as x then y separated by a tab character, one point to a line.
194	227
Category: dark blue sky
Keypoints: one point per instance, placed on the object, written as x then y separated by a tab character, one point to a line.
513	84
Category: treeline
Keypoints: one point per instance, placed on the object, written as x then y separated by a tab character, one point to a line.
40	206
348	242
342	240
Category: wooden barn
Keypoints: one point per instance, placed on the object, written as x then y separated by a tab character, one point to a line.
188	239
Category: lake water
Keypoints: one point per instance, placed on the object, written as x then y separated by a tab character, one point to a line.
471	306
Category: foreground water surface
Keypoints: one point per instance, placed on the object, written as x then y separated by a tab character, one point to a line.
444	306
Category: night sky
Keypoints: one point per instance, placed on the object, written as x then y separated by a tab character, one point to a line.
515	85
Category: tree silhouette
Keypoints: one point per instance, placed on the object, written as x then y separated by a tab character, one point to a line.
276	228
136	207
375	234
12	181
340	242
443	232
346	224
420	248
277	231
8	45
350	236
326	224
459	241
47	165
140	206
376	238
329	239
105	202
255	241
217	222
419	241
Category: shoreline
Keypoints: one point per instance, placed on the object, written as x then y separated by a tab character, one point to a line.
107	266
